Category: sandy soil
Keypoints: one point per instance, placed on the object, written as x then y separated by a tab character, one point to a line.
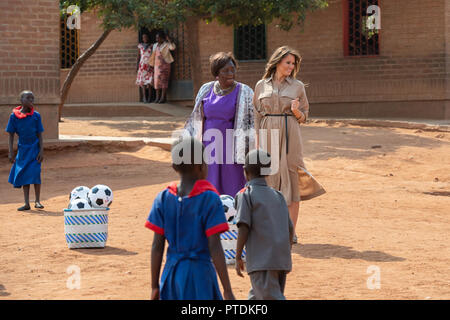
387	206
148	127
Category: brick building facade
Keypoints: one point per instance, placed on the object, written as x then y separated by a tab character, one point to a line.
409	78
29	59
108	75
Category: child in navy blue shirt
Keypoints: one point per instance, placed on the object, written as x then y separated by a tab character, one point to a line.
27	124
190	216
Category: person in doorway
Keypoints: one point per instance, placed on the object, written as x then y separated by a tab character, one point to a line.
144	70
161	59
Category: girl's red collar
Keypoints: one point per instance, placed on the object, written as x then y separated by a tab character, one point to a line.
21	115
200	186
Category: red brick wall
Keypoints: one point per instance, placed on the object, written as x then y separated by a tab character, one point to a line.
447	59
109	75
411	65
214	38
29	58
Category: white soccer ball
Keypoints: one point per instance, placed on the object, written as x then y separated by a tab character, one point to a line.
228	207
80	192
79	204
100	196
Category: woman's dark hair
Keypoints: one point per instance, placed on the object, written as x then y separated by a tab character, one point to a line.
161	34
220	60
145	34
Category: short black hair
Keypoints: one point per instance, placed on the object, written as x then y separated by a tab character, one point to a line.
220	60
25	92
162	34
187	152
255	161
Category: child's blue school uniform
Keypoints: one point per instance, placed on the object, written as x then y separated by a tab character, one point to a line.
26	169
186	223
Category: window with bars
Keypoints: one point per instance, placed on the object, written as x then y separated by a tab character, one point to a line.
359	40
182	69
69	47
250	42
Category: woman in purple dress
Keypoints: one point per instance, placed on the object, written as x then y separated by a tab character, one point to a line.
223	120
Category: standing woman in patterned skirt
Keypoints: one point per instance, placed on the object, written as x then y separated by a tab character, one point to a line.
143	69
161	59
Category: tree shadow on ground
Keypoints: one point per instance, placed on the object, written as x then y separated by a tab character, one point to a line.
65	169
106	251
152	128
327	251
3	292
438	193
322	143
46	213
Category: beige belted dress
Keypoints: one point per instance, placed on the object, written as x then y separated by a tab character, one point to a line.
271	101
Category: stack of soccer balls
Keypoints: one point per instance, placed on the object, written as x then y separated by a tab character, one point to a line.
100	196
228	207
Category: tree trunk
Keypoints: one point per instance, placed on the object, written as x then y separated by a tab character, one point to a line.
76	67
194	52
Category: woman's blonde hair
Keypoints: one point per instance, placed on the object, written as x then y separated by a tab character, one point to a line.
278	55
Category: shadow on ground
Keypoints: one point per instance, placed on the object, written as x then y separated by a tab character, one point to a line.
63	170
327	251
149	128
322	143
106	251
438	193
3	292
45	213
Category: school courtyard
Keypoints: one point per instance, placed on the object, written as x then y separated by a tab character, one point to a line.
380	232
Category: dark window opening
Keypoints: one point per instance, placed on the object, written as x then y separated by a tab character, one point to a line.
359	39
69	45
250	42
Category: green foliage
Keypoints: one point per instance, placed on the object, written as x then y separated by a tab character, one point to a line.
115	14
84	5
248	12
118	14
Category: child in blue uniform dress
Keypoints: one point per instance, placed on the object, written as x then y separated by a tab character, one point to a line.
190	216
26	123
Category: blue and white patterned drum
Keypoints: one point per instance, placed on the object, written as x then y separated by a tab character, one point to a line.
86	228
229	242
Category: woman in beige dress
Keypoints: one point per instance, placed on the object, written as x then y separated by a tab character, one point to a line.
281	105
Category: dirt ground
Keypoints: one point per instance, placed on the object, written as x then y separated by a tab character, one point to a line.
386	208
150	127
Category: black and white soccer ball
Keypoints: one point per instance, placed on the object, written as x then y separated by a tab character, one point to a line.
228	207
100	196
80	192
79	204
